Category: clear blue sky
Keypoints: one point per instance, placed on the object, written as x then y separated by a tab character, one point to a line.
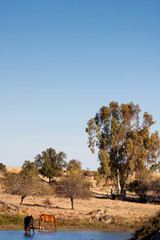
61	61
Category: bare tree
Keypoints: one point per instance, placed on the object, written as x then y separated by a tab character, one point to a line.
73	186
25	183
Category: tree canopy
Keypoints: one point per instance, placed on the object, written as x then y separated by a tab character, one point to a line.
30	166
125	146
25	183
3	168
73	186
50	163
74	166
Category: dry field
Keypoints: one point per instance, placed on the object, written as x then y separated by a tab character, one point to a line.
61	208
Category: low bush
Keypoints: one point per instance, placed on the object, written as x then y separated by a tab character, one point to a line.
148	229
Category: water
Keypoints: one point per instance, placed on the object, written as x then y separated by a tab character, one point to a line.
65	235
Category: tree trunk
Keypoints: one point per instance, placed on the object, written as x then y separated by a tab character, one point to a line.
125	183
72	203
118	183
22	198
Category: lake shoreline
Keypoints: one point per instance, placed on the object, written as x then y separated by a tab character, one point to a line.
16	222
65	228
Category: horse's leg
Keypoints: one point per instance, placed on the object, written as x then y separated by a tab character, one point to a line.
52	223
41	222
33	229
55	224
48	224
28	229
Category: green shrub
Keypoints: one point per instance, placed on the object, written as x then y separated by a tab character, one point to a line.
148	229
140	188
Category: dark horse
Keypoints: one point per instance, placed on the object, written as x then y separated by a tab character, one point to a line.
28	224
49	219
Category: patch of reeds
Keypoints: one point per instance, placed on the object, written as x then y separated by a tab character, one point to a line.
116	223
79	223
11	219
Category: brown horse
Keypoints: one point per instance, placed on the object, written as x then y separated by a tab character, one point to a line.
49	219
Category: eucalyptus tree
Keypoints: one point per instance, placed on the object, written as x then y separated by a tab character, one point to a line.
124	145
50	163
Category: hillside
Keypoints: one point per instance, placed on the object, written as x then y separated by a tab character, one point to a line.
126	214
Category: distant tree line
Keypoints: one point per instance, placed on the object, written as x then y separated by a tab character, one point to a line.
28	182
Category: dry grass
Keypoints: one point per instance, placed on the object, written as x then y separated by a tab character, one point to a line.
61	207
14	169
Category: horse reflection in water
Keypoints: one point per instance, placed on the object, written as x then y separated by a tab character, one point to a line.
49	219
28	225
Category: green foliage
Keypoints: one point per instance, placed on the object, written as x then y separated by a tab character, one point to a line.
50	163
25	183
155	167
124	145
79	223
148	229
140	188
30	166
74	166
89	184
117	223
11	219
146	184
99	177
3	168
155	188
